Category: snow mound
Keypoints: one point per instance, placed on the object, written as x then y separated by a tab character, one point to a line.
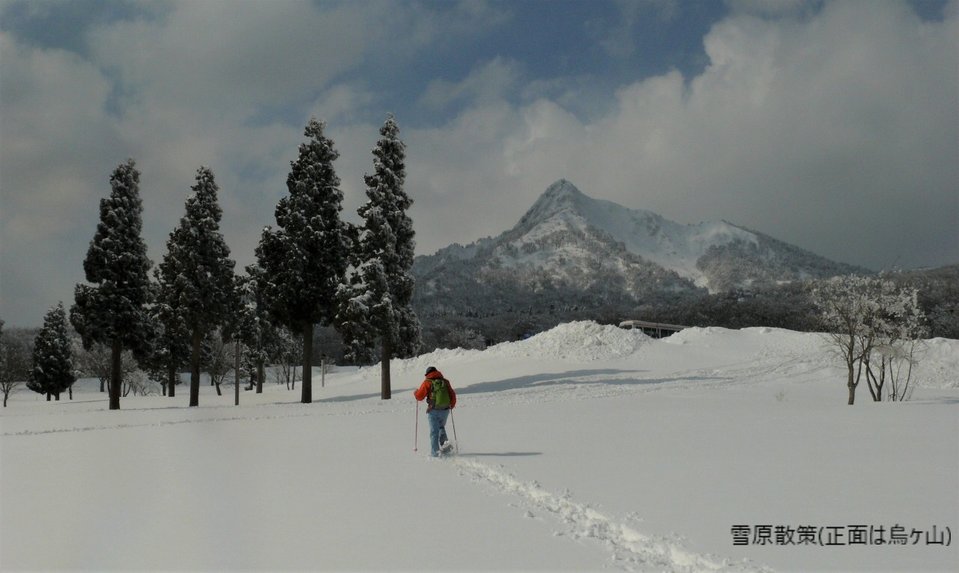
583	341
416	366
938	363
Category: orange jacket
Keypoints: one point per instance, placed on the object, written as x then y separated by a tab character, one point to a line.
424	390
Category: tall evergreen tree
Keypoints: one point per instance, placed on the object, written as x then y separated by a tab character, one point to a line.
305	258
113	313
52	356
171	341
377	304
240	327
256	332
197	272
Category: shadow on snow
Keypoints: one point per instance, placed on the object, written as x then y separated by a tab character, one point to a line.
609	377
574	378
497	454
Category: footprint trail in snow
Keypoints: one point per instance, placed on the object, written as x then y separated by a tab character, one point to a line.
630	549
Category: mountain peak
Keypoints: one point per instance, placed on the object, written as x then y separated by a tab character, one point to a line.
572	237
562	188
560	196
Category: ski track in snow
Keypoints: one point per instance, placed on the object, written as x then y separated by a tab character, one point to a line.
180	421
144	425
630	550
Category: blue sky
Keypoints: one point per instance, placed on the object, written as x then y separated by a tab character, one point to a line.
830	125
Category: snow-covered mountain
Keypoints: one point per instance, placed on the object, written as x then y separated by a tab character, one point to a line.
573	243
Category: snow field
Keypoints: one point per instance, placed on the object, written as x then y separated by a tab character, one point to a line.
582	448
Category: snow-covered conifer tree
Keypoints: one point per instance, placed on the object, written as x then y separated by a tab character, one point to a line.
52	356
197	272
113	313
304	259
256	331
377	304
242	329
171	341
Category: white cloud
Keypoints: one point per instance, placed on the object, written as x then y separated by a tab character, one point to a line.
233	56
487	82
55	154
836	130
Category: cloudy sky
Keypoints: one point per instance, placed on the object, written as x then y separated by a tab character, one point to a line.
831	125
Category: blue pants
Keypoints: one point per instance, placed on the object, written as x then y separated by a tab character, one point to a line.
438	435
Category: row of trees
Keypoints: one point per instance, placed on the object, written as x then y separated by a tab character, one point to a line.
22	351
312	268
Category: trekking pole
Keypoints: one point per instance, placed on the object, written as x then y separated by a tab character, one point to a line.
456	441
416	427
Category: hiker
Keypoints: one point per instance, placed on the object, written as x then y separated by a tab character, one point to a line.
440	399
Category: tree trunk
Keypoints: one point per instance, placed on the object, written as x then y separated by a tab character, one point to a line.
385	390
260	375
195	368
48	397
851	383
307	392
236	371
171	381
116	374
882	379
871	383
103	385
70	388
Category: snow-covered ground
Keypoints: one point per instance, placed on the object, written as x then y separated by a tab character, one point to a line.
583	448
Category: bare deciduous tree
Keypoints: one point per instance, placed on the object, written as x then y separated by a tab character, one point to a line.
870	320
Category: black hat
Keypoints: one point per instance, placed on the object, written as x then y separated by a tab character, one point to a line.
430	369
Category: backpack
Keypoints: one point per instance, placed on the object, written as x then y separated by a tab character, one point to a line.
439	397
